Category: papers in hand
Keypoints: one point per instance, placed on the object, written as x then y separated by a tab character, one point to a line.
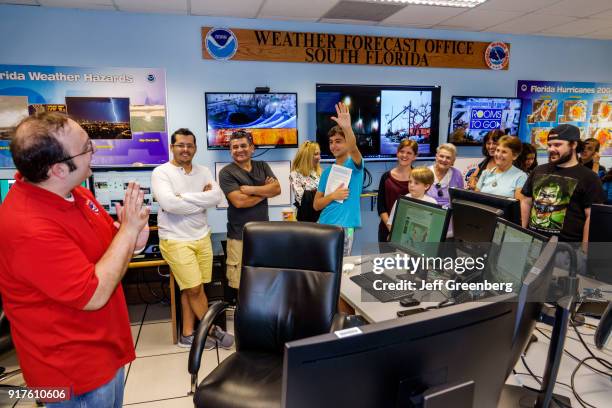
337	176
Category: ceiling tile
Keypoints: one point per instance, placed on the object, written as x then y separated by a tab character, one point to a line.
80	4
480	19
525	6
228	8
575	8
345	21
531	23
311	10
20	2
578	27
422	15
153	6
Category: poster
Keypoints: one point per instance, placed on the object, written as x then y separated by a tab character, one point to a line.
122	109
587	105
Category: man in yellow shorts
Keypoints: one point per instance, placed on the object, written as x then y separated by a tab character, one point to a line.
184	191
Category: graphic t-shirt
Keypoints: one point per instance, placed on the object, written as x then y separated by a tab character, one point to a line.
560	195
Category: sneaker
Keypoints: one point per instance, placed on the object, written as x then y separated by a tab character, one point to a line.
187	341
224	339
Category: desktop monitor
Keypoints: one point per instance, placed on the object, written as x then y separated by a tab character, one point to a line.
417	224
109	184
511	207
473	227
5	185
398	362
599	263
513	252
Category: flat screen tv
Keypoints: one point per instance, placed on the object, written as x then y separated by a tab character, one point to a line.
270	117
471	117
382	115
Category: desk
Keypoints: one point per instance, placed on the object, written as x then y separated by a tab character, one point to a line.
594	388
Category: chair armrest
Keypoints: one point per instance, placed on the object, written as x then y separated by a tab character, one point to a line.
343	321
199	338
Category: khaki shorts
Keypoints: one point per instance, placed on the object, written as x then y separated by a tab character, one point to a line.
234	262
190	261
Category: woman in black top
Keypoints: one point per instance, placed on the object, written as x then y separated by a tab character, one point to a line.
528	159
489	144
394	184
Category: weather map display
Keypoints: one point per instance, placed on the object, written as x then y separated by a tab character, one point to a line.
382	117
271	118
472	117
587	105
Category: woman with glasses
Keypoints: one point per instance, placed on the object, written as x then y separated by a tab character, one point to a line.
304	177
489	143
445	175
504	179
394	184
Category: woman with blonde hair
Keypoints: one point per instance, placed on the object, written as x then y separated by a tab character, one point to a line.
445	175
304	178
394	184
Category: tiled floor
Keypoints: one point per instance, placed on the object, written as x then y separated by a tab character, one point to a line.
158	377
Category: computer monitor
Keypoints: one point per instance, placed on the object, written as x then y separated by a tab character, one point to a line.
390	363
417	225
511	207
513	252
109	184
599	264
5	185
473	227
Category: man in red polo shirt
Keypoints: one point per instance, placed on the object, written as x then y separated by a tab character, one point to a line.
61	263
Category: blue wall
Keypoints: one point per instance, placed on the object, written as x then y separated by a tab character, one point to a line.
48	36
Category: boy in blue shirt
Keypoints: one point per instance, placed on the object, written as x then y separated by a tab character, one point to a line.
347	214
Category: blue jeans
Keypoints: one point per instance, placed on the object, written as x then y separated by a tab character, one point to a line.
109	395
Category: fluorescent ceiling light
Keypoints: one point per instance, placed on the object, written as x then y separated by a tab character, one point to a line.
444	3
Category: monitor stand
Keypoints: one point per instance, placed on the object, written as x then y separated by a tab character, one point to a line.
516	396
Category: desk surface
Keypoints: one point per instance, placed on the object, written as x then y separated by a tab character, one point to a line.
594	388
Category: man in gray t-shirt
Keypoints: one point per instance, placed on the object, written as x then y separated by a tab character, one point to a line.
247	184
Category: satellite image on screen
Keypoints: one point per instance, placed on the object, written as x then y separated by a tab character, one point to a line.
270	118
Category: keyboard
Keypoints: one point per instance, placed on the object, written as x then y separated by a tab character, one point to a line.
366	282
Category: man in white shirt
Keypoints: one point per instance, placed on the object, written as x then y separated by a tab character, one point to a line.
184	191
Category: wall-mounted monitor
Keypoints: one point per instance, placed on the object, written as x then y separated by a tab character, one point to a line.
109	185
270	117
471	117
382	115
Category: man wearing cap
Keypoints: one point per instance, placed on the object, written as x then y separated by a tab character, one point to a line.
559	194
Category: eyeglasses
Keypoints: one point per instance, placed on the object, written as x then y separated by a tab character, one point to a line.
184	146
90	148
439	188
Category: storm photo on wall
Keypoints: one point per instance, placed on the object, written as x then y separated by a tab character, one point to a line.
101	117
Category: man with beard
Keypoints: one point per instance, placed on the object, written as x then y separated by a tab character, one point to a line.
559	194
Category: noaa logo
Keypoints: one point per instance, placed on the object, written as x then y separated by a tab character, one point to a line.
497	55
221	43
151	78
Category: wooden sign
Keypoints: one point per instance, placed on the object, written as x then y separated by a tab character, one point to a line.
322	48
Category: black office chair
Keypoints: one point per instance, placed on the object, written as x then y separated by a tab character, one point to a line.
289	290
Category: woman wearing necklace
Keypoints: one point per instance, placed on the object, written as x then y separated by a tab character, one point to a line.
445	175
394	184
504	179
304	178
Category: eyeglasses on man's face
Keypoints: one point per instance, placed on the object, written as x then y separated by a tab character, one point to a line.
89	148
181	146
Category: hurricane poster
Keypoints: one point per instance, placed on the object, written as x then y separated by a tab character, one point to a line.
123	110
546	104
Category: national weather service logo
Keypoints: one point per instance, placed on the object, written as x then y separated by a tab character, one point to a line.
497	55
221	43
